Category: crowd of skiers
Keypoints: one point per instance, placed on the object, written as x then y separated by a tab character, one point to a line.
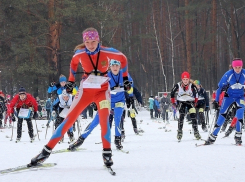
107	87
189	97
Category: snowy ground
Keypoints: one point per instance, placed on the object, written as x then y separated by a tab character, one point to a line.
155	156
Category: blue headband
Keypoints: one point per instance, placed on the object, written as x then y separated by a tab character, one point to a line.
63	79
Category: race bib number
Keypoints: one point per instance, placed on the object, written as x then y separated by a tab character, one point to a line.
104	104
24	113
119	104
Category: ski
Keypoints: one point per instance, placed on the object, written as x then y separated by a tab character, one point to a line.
200	145
66	150
25	167
98	142
123	151
167	130
237	144
109	169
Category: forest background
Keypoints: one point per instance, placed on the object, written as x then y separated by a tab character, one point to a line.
161	39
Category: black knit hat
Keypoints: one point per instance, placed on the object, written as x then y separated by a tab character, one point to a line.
22	90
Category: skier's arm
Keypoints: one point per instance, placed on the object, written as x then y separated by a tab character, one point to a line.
195	92
172	94
137	95
12	104
73	67
56	104
222	83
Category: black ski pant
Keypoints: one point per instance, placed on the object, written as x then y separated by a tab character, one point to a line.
48	114
29	125
182	111
151	113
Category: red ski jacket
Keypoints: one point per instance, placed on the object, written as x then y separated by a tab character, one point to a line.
87	61
30	101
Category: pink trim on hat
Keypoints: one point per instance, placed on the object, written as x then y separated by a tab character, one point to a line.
91	35
236	63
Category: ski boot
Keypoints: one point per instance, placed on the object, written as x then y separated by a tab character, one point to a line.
123	135
118	142
76	144
204	128
17	140
61	140
229	131
41	157
136	131
5	125
106	154
238	138
197	134
71	136
211	139
179	134
32	139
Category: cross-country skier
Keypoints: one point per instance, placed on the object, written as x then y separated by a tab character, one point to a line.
132	111
165	103
58	87
48	108
202	104
63	101
7	114
2	108
232	82
117	105
23	102
95	60
156	107
187	97
151	104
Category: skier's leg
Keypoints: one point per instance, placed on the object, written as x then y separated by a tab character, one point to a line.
30	127
19	128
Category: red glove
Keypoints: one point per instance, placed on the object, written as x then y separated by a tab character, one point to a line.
196	99
172	100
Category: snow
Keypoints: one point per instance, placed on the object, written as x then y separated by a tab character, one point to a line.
155	156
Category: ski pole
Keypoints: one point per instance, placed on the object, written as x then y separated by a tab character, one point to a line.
12	132
214	118
78	127
37	130
46	130
53	127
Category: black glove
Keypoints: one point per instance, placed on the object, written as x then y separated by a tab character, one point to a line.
127	85
52	84
94	106
129	101
207	108
35	115
69	87
216	105
13	118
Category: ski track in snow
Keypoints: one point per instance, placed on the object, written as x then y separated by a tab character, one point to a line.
155	156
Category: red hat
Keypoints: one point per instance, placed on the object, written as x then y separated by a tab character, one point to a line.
185	75
165	94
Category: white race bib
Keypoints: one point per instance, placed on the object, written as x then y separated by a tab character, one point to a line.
24	113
